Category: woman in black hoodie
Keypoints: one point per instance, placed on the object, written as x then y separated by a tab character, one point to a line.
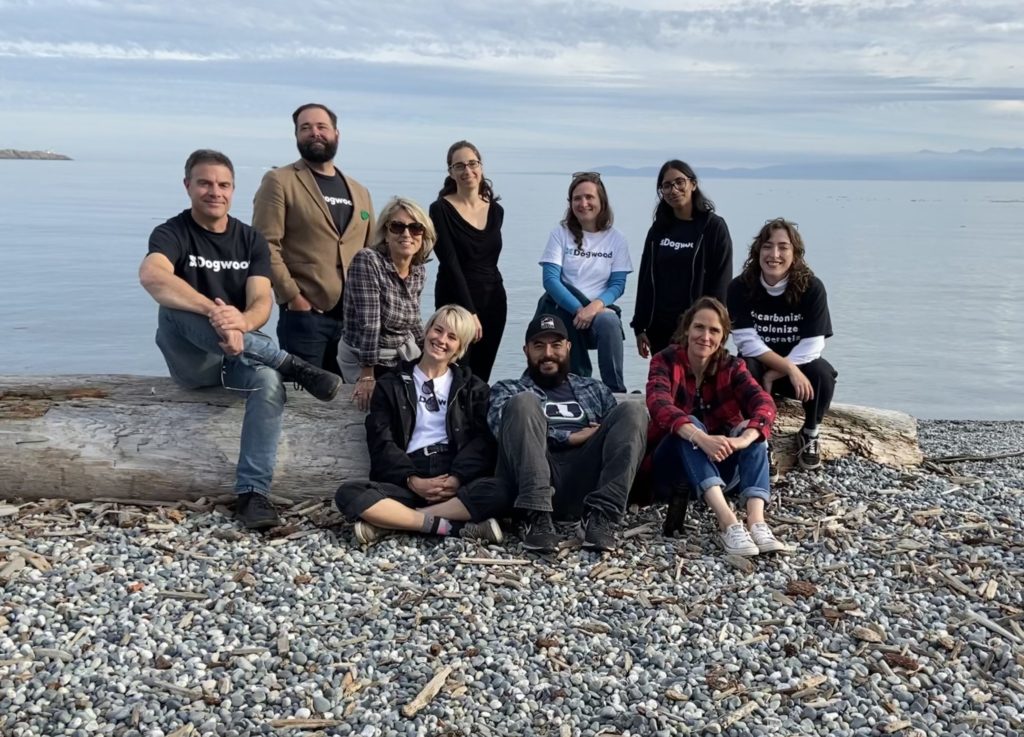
687	255
431	453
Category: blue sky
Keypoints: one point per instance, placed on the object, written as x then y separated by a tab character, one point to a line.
538	85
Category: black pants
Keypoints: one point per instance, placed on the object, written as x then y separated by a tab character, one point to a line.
492	310
483	497
661	330
312	336
822	377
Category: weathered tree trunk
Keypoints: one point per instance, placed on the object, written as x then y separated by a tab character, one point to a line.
135	437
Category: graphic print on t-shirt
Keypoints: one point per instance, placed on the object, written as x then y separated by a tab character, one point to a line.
780	324
587	266
562	410
337	198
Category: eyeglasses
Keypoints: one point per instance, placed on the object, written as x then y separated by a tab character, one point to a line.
415	229
590	174
430	398
461	166
679	184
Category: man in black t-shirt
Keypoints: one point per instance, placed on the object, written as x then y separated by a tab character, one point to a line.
210	274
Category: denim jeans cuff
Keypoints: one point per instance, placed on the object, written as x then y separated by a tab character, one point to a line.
711	481
538	506
249	489
755	493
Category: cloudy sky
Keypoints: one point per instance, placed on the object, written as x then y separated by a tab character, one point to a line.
541	84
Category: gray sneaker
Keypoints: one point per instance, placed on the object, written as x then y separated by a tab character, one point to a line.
737	541
488	531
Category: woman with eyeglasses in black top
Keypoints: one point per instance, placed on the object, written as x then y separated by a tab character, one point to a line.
468	219
431	454
687	255
381	304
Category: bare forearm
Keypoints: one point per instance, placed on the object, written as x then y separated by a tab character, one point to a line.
774	361
258	312
171	291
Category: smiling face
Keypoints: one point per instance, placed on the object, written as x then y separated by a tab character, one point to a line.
441	343
704	335
677	190
404	245
465	167
586	205
315	135
210	187
547	359
776	256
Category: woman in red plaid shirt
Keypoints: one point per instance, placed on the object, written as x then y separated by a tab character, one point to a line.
710	423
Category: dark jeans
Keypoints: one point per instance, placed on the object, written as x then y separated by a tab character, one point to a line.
747	470
483	497
822	377
312	336
594	476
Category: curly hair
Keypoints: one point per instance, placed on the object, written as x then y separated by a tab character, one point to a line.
604	219
800	273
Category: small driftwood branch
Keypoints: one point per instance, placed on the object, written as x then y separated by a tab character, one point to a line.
428	692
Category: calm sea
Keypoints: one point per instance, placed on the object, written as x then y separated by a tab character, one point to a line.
925	279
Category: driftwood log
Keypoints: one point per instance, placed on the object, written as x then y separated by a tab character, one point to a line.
143	438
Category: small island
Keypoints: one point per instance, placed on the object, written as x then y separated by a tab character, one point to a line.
12	153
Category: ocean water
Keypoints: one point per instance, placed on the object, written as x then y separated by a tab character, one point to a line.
925	279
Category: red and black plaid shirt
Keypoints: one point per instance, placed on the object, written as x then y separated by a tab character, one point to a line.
728	395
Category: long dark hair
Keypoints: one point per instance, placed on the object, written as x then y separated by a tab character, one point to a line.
705	303
604	219
800	273
663	215
450	187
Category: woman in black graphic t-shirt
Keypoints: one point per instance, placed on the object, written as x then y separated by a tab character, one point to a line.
687	255
780	316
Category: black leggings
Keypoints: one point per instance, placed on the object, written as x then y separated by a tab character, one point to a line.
822	377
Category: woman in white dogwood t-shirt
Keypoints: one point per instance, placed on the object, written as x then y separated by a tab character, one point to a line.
585	264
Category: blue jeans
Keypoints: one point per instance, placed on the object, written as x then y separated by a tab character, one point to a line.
605	334
675	458
195	361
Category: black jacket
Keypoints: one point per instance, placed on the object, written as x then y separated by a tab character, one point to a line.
392	417
710	277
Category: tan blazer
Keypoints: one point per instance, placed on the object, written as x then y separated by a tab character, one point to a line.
307	254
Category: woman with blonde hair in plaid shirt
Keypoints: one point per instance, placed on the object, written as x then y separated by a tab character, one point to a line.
382	323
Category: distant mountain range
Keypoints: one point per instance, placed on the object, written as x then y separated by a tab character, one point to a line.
990	165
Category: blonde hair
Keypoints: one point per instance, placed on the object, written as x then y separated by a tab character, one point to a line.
414	211
459	321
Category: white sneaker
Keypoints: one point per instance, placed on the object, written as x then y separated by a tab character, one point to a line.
765	540
737	541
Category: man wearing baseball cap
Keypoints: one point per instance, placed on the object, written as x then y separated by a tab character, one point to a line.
565	445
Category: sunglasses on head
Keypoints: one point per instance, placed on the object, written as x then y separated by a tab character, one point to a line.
596	175
398	228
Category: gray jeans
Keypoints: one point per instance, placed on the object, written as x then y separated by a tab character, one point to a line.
594	476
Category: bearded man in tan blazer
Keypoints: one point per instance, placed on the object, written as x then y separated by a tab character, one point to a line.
315	219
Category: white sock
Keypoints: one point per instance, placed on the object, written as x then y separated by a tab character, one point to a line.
811	432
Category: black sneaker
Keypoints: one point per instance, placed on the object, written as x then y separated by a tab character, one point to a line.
599	532
675	515
321	384
488	531
809	455
256	512
538	532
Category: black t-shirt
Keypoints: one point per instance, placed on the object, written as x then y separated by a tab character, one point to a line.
563	410
337	198
214	264
674	253
778	323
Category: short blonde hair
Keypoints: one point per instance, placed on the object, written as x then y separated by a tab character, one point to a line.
414	211
459	321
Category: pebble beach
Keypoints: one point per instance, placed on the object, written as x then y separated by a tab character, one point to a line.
899	611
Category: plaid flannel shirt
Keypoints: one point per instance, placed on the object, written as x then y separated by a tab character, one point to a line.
381	309
728	395
594	397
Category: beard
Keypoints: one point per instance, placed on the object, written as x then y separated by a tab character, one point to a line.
548	381
317	152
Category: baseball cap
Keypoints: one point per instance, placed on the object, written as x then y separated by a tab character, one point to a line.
546	324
